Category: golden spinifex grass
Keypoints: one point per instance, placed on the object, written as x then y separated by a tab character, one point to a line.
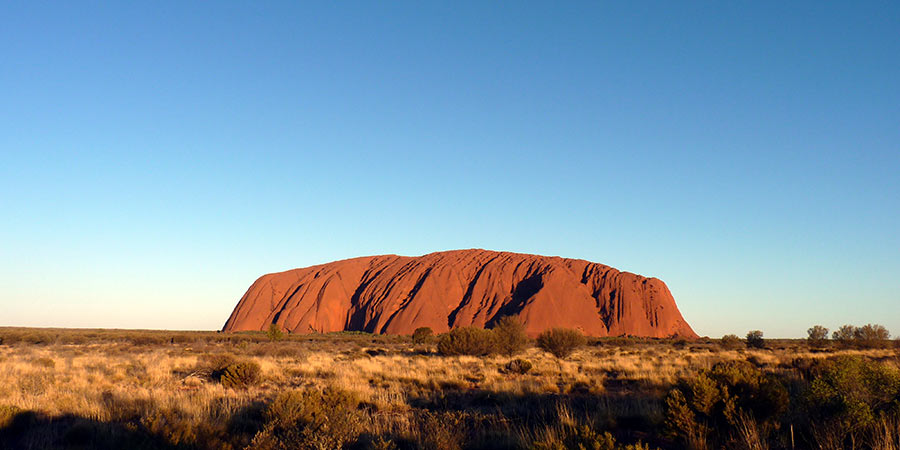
65	389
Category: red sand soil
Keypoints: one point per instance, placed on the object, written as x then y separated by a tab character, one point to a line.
397	294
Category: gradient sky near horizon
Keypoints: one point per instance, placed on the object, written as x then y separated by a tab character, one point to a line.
157	157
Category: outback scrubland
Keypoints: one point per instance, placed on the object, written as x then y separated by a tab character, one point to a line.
470	389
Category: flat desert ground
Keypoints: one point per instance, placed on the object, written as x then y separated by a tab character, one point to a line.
167	390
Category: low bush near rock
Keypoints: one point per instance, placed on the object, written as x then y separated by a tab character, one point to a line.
714	407
561	342
731	342
510	336
326	419
518	366
467	341
422	335
240	375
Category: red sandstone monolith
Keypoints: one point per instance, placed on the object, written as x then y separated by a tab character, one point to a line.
397	294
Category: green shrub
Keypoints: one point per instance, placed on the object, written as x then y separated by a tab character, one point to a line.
518	366
871	336
852	393
274	332
240	375
310	419
467	341
755	339
565	436
213	366
510	335
731	342
576	437
560	342
722	399
421	335
844	335
817	336
867	336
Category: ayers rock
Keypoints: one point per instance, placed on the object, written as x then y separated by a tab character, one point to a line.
444	290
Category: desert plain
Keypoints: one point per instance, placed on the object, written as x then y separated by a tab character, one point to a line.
78	389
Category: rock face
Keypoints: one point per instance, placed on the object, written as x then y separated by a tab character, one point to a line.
444	290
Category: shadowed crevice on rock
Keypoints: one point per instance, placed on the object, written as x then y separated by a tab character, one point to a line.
523	292
467	298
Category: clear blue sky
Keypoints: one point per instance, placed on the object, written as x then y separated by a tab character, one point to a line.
157	157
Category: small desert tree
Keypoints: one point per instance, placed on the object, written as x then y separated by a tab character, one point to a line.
421	335
844	335
871	336
560	342
274	332
755	339
510	336
731	342
817	336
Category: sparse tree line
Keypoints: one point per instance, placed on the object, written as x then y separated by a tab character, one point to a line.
847	336
507	337
866	336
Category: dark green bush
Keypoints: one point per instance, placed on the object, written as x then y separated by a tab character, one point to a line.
731	342
851	394
567	436
421	335
755	339
310	419
510	336
560	342
844	335
817	336
213	366
467	341
711	407
240	375
518	366
866	336
274	332
576	437
871	336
